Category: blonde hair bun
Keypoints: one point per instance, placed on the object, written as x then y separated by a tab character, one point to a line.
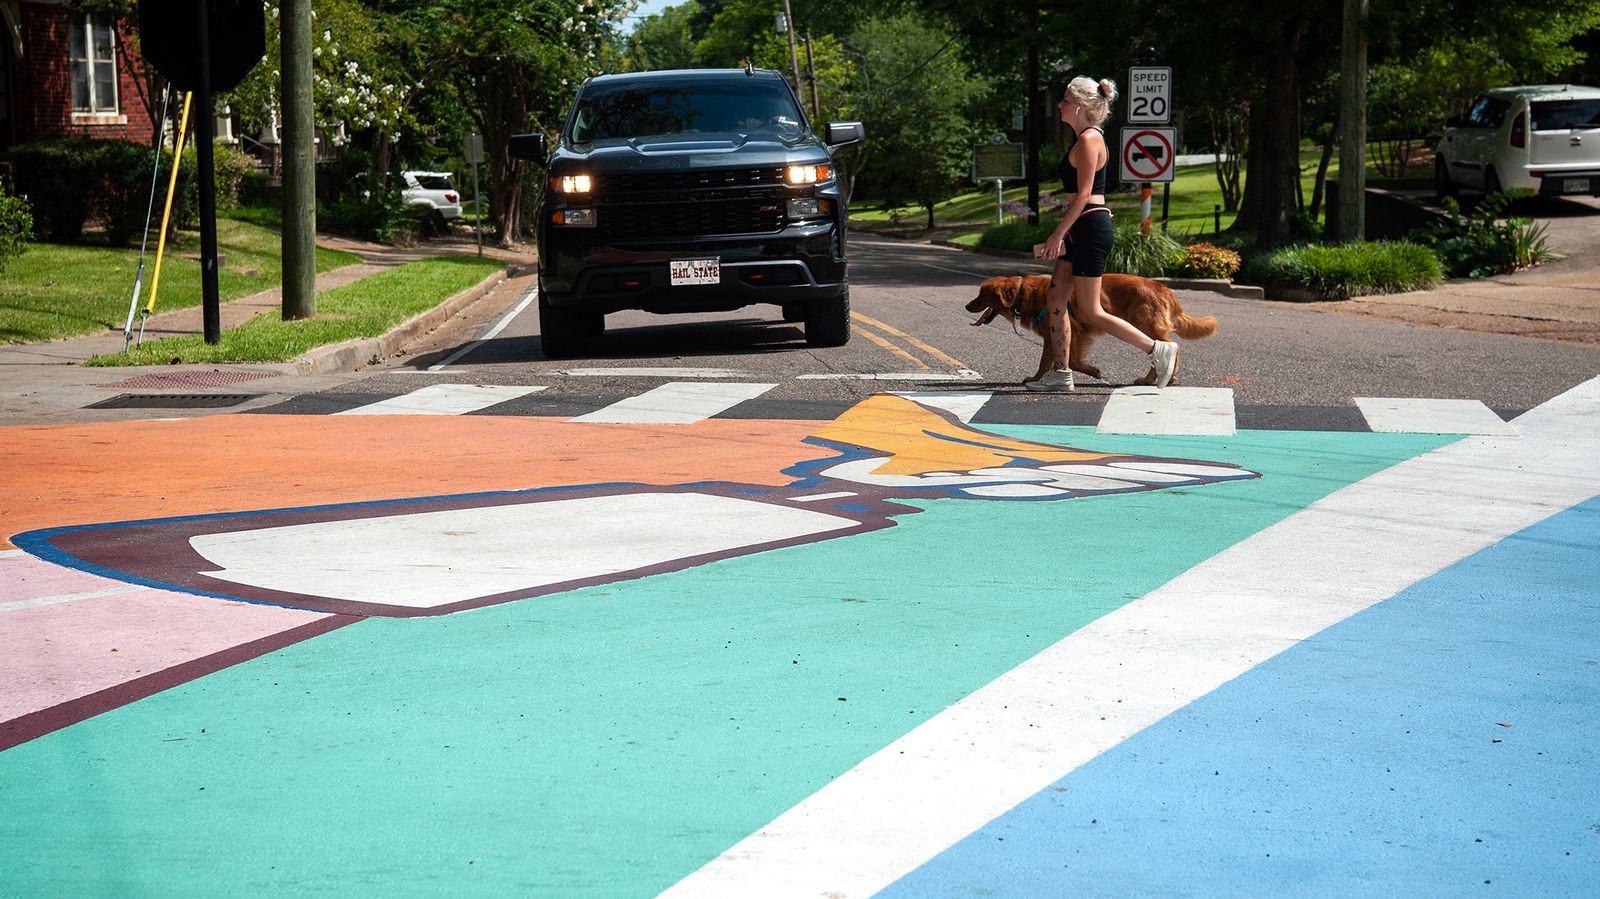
1108	89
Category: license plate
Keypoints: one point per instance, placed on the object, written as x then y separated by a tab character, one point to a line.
1575	185
696	271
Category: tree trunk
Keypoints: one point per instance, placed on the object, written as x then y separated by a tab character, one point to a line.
1322	168
1273	168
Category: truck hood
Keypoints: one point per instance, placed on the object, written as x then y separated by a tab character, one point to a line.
642	154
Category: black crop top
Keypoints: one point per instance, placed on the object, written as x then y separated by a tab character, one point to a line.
1069	174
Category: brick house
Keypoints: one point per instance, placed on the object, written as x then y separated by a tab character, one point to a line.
64	72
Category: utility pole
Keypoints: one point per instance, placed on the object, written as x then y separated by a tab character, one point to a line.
788	29
811	72
1353	124
299	153
211	309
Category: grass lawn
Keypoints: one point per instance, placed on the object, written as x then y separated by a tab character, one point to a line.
1193	196
63	290
367	308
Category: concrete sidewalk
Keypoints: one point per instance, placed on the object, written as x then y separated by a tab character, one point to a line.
39	381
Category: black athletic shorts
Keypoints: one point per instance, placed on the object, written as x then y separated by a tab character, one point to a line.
1089	242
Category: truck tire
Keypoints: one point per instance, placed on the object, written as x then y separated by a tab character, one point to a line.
563	332
828	321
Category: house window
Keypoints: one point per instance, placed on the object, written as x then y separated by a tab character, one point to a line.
93	53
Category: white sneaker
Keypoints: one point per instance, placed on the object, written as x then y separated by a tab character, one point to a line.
1053	381
1164	356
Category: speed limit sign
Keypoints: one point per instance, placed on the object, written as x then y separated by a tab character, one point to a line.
1150	94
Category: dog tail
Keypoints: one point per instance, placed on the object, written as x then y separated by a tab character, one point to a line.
1191	328
1187	326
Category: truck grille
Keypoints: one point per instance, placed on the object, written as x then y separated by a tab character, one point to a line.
750	216
624	184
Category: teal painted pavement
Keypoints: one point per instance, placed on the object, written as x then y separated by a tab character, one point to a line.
608	741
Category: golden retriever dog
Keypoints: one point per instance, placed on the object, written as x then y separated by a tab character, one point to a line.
1149	306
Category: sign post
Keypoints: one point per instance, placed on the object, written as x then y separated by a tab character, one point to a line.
1147	157
205	46
1149	102
999	161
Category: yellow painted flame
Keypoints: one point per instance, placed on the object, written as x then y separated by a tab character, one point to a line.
919	441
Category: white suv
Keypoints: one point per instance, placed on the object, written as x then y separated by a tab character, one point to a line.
433	190
1543	137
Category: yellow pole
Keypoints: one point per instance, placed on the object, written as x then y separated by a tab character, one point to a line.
166	211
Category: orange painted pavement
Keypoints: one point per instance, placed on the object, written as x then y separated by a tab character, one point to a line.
55	475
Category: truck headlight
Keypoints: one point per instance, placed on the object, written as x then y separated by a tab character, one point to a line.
806	174
572	184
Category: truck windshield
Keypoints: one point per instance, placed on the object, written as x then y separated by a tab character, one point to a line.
658	107
1562	115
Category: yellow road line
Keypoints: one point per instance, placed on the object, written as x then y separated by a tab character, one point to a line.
888	346
930	350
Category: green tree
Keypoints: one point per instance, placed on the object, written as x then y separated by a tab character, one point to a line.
514	66
917	101
662	41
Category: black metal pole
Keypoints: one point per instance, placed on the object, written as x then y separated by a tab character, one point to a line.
1033	125
207	175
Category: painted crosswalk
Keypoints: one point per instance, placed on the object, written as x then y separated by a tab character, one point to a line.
676	402
689	397
444	399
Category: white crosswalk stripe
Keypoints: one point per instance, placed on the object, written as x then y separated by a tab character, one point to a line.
1201	411
444	399
676	403
963	404
1430	416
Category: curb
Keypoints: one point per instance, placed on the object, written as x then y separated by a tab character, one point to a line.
1226	288
353	355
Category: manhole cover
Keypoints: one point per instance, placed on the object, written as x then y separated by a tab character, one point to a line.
179	380
172	401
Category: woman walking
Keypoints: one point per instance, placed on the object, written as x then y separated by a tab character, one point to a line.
1082	241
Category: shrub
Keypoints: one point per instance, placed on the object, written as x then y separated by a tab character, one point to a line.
230	168
16	227
124	200
1477	244
385	218
1204	260
1355	269
1151	255
1018	235
60	177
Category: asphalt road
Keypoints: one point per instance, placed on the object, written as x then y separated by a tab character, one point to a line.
912	332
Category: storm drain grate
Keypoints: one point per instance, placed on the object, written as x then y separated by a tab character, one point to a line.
172	401
178	380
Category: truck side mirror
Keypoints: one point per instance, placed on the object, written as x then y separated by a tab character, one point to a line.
841	134
531	147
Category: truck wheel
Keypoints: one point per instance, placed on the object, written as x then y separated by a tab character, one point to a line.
828	321
1491	182
563	332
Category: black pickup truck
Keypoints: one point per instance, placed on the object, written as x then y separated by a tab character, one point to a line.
694	190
